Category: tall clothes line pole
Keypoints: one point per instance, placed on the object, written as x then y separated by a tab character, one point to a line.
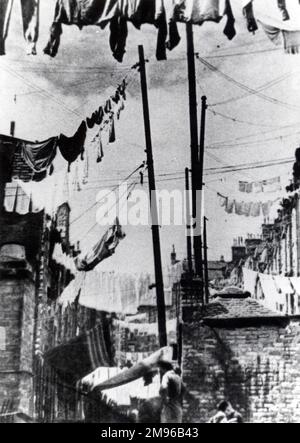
205	261
196	182
161	307
188	221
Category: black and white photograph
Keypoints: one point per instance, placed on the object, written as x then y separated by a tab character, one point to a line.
149	214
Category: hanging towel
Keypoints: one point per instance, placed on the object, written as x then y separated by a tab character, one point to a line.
103	249
72	147
255	209
250	281
269	291
230	206
39	156
266	208
81	355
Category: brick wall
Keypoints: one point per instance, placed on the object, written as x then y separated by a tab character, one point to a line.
16	314
257	368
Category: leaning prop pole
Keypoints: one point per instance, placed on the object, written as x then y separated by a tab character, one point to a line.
161	307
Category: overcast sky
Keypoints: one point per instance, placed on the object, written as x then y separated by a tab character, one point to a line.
53	95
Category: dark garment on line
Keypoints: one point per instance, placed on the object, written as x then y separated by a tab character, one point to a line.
81	355
112	131
96	118
72	147
103	249
39	156
100	153
7	153
99	13
118	37
229	29
250	19
30	17
284	11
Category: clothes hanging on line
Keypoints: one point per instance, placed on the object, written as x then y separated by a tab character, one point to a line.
39	156
291	39
146	328
108	292
81	355
280	22
105	248
63	259
122	395
18	201
250	281
7	153
139	370
198	12
269	185
147	291
72	147
162	14
30	17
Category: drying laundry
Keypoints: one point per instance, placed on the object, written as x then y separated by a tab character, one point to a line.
146	328
30	17
250	281
122	395
269	185
18	201
255	209
108	292
72	147
270	295
7	152
230	206
63	259
139	370
281	22
81	355
103	249
39	156
200	11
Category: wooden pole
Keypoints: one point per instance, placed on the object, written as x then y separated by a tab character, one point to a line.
188	222
206	282
196	183
161	308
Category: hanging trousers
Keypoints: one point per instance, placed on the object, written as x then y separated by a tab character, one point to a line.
30	17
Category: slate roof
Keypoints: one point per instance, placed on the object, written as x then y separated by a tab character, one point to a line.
233	308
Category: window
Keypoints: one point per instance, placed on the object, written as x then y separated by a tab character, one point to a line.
2	338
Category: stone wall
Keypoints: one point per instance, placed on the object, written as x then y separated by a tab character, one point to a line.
256	367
